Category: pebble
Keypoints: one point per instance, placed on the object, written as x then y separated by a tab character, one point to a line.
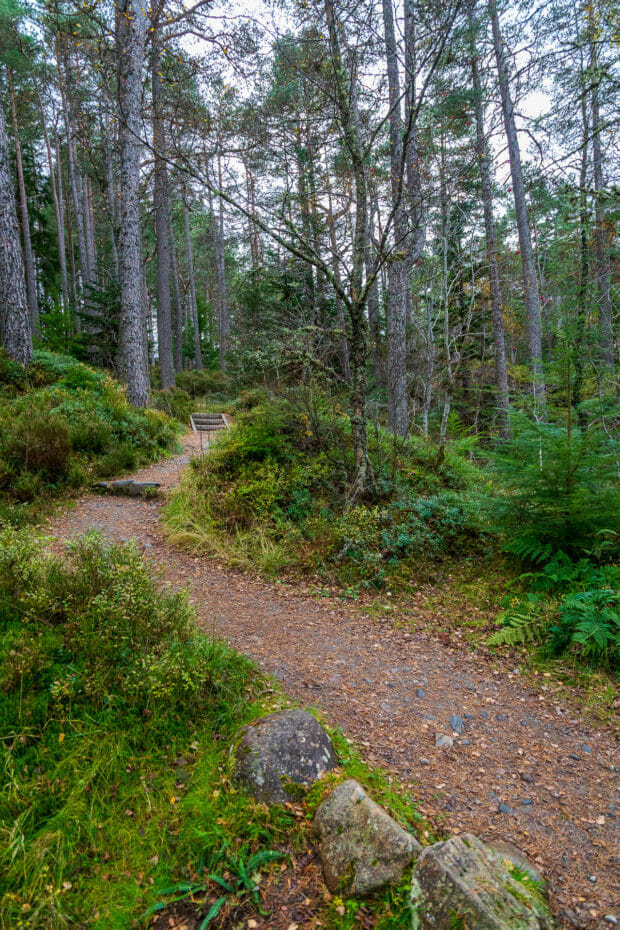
586	748
464	742
526	802
391	684
501	716
504	808
443	742
592	878
468	716
574	756
484	715
610	919
424	761
456	723
420	693
526	777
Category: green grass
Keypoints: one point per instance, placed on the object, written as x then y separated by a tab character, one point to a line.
62	424
117	720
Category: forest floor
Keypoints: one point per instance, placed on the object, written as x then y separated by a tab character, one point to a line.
528	767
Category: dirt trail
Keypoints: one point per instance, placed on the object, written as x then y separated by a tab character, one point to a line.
525	768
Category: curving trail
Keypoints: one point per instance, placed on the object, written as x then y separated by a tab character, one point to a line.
555	776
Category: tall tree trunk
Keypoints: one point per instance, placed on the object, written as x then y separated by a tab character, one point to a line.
364	479
412	152
601	269
344	345
160	197
133	351
584	263
220	268
15	321
191	294
484	167
31	281
528	267
110	194
374	303
64	74
398	268
177	321
58	214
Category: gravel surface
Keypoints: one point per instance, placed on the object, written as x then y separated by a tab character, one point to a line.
517	765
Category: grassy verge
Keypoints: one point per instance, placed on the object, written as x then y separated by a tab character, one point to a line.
63	423
117	719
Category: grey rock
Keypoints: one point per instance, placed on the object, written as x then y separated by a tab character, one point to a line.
361	847
484	715
526	777
468	716
513	855
420	693
610	919
501	716
504	808
424	761
464	742
129	487
290	746
443	742
464	878
456	723
526	802
585	748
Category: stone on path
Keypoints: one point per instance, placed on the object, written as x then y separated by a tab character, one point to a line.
129	487
290	746
463	882
362	848
442	741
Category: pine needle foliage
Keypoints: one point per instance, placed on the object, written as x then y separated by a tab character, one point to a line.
560	492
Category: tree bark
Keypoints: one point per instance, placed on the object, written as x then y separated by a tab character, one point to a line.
178	306
398	267
484	167
15	321
191	295
58	214
358	346
601	268
31	281
160	197
528	267
74	174
133	350
220	268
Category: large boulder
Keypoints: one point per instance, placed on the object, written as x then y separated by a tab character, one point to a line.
362	848
463	883
282	750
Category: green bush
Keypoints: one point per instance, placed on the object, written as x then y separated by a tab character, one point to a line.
176	402
62	420
560	492
198	383
280	479
105	681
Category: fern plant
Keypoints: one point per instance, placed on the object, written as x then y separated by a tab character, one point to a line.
523	622
589	623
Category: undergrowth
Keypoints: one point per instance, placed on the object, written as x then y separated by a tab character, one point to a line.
274	494
63	423
117	719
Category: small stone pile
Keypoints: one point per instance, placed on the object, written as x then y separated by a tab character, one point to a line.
459	882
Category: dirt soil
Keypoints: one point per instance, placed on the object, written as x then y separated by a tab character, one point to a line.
526	767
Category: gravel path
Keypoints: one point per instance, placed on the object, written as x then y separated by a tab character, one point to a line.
522	766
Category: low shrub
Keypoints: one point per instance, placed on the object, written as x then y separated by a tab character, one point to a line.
274	491
62	421
104	681
176	402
